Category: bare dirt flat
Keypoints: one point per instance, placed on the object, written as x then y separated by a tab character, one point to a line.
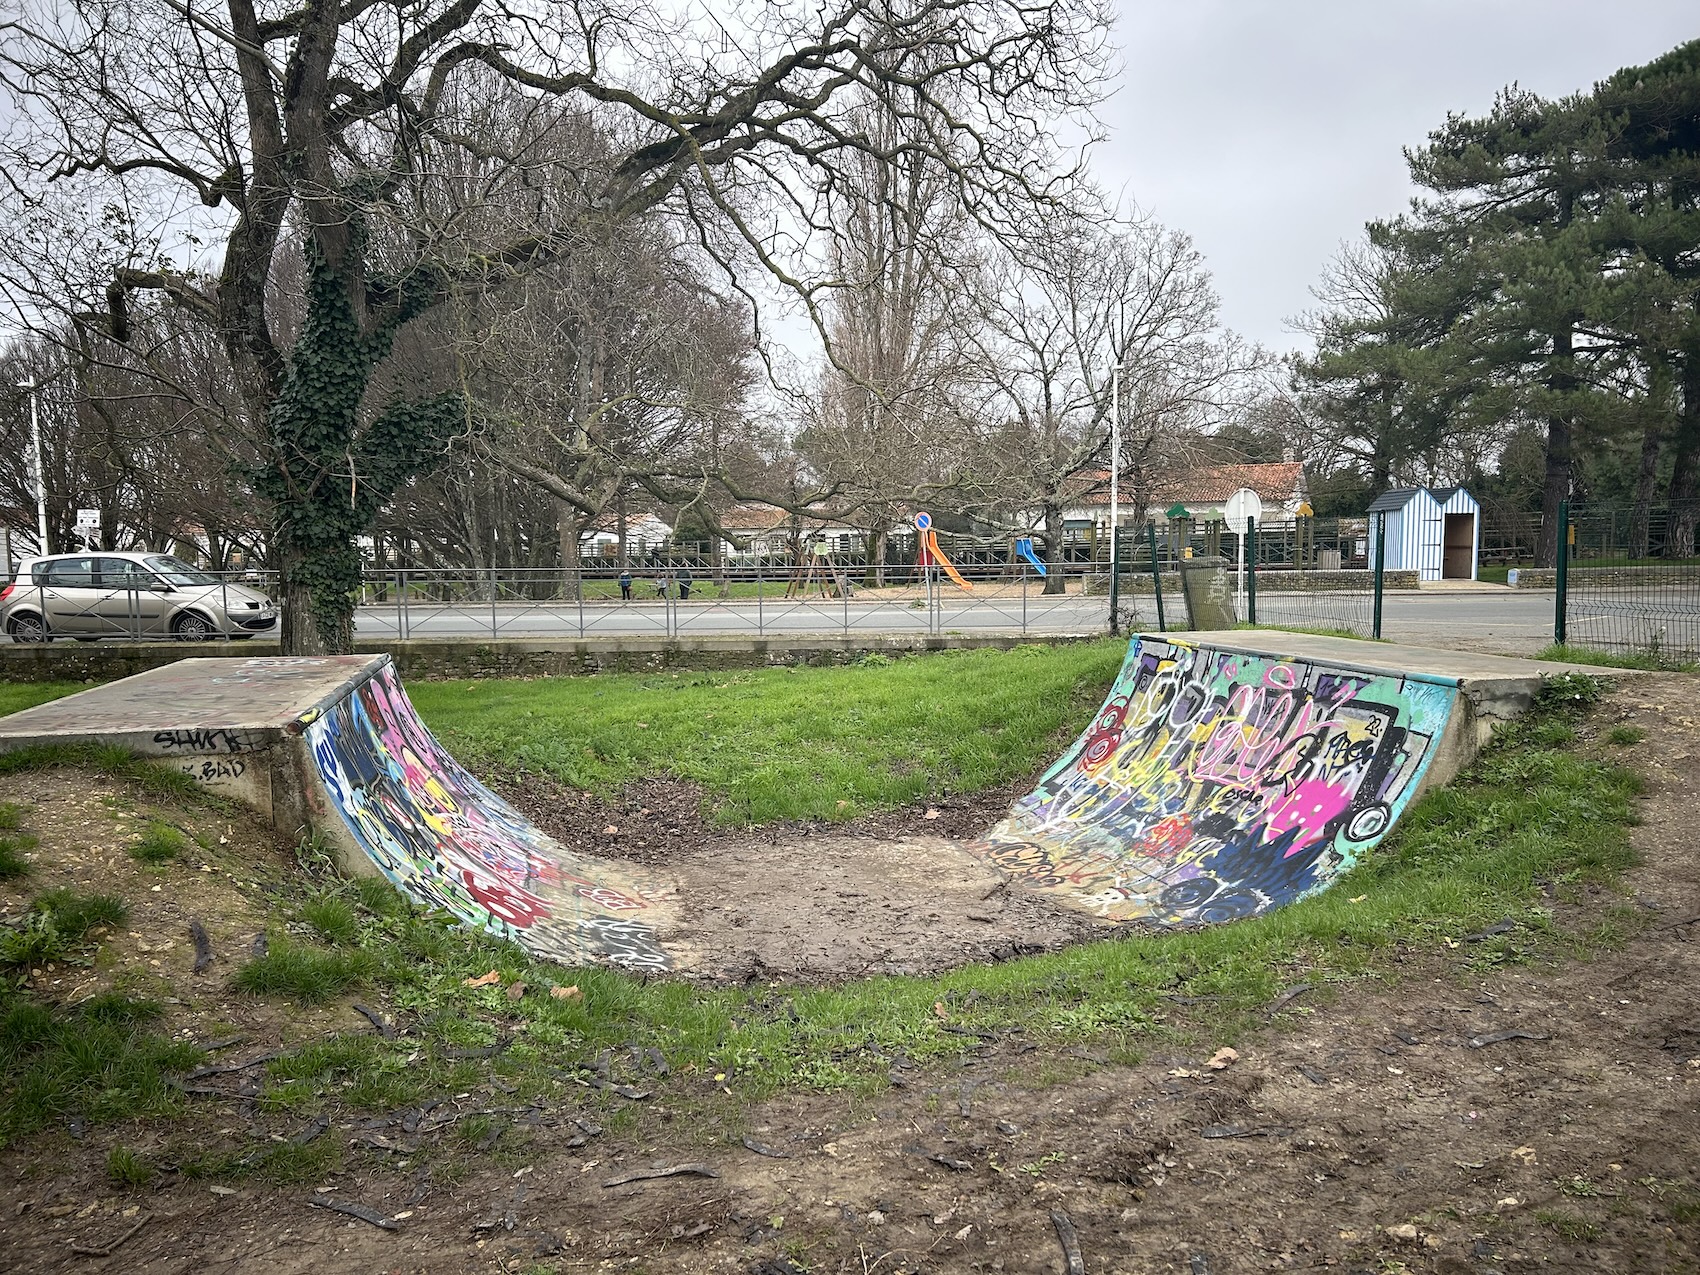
1539	1113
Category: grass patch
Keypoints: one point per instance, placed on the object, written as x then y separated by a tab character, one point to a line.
160	843
13	847
1624	736
282	1164
306	975
1569	1225
1313	632
331	917
773	744
17	696
99	1061
57	927
115	763
1647	661
126	1168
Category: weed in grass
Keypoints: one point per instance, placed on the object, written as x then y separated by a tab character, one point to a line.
126	1168
13	847
1571	1226
306	975
57	926
1624	736
11	815
332	918
160	843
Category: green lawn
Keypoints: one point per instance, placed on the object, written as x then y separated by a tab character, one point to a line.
17	696
773	744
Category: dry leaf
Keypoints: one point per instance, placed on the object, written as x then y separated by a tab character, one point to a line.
566	993
931	814
483	980
612	830
516	989
939	1009
1525	1154
1223	1058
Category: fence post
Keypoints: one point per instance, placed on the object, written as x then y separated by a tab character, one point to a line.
1563	595
1156	576
761	628
578	573
1115	581
1251	571
1380	567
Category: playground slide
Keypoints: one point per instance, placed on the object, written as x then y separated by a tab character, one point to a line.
946	563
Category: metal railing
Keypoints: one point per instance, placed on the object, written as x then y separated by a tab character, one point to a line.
1630	584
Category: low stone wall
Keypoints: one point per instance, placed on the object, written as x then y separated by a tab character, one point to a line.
543	657
1674	576
1268	581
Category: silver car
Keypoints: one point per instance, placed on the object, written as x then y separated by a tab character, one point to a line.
89	596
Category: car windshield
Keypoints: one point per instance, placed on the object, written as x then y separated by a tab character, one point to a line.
176	571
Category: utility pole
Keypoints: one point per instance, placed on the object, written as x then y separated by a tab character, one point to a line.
40	471
1115	491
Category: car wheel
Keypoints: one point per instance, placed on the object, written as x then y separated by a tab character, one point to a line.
28	628
192	626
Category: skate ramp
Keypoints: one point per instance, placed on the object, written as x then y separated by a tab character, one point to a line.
333	745
1217	783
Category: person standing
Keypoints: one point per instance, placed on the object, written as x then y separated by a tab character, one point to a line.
626	585
684	578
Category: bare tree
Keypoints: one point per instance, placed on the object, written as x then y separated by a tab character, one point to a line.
1095	295
358	121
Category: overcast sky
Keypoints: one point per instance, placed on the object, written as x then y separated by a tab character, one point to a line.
1270	132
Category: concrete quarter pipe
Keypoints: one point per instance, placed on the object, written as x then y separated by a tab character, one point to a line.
1215	784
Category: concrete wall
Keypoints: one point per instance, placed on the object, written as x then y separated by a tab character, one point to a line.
1610	577
107	661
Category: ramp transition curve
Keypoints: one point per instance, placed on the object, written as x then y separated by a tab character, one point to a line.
1216	784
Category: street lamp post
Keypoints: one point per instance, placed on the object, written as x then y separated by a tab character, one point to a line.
40	469
1115	493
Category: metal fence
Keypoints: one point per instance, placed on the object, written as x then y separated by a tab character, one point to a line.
1305	575
1630	584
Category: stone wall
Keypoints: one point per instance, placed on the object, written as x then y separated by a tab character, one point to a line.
106	661
1673	576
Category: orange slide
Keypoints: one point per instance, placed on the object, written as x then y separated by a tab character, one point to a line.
938	557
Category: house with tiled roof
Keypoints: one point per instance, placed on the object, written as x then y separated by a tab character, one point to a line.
1202	491
645	532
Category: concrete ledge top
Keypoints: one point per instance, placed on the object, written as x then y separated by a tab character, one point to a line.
1467	668
260	693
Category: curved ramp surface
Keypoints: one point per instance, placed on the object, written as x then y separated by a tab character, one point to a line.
446	840
1216	784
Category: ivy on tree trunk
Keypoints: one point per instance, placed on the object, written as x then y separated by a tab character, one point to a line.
327	476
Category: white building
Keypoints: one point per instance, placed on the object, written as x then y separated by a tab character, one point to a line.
1437	533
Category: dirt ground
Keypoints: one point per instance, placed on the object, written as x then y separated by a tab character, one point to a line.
892	893
1465	1118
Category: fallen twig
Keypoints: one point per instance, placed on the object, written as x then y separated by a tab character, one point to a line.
1069	1238
1494	1038
761	1148
352	1209
1289	996
319	1124
86	1250
377	1020
671	1171
203	945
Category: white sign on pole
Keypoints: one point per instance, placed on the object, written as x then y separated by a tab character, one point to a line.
1244	505
87	518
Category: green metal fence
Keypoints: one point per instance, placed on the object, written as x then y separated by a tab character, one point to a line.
1629	581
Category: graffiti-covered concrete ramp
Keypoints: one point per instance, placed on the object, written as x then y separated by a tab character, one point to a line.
333	744
1227	774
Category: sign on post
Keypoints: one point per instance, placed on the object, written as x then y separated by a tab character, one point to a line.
1243	506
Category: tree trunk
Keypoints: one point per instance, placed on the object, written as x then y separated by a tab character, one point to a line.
566	524
1055	581
1641	514
1556	489
1685	472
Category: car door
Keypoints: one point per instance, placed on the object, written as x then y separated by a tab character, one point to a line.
69	595
131	602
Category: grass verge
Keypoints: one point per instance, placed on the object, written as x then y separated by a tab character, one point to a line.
775	744
17	696
1647	661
